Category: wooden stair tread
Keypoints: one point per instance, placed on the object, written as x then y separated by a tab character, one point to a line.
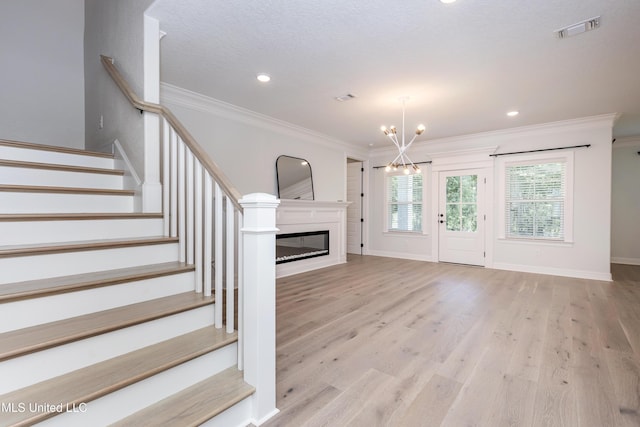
58	285
43	147
83	245
97	380
196	404
77	216
60	167
40	337
64	190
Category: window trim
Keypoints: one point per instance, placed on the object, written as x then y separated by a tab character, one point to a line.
386	203
567	158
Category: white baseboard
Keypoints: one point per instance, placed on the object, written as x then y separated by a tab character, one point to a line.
403	255
628	261
564	272
266	417
302	266
131	179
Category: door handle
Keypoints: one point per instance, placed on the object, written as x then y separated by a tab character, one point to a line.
441	222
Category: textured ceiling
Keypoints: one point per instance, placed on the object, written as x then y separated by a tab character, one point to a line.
463	65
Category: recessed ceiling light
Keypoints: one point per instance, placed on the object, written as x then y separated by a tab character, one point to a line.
345	97
447	1
263	77
513	113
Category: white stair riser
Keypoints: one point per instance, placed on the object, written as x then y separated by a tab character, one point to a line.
236	416
36	311
57	178
26	370
18	269
129	400
33	232
43	156
18	202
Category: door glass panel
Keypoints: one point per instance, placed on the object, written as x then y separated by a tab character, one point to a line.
453	217
469	217
461	203
453	189
469	188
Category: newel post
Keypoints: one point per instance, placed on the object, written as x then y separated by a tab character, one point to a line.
259	313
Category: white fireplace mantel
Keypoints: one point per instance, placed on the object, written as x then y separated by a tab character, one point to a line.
299	216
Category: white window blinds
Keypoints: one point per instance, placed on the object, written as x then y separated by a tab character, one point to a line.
535	200
404	202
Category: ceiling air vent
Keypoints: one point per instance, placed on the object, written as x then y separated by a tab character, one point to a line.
579	28
346	97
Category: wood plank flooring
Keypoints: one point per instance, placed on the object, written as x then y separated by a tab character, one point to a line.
390	342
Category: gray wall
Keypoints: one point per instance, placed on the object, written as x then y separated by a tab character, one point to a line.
42	85
114	28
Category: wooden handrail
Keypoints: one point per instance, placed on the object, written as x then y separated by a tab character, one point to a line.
182	132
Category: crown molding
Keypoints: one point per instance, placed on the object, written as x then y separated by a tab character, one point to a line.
456	143
185	98
627	141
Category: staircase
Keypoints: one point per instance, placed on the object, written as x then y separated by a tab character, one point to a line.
99	320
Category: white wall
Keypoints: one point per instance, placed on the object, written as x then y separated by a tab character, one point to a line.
588	256
625	207
42	83
245	145
114	28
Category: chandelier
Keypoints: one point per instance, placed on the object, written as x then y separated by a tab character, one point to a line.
402	160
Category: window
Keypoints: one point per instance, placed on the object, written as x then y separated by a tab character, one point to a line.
404	202
536	200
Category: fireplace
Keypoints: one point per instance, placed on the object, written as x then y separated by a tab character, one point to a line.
298	246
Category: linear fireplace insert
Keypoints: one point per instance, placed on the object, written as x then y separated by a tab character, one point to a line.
296	246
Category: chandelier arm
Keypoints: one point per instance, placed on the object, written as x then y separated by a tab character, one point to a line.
411	142
397	157
412	164
395	140
403	157
401	143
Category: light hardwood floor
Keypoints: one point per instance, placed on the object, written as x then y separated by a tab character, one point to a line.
390	342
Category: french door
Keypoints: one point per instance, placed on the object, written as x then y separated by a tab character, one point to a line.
461	217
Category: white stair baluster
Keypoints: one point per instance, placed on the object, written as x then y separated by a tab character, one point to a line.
181	202
190	213
174	184
230	258
240	291
166	137
218	264
208	233
199	229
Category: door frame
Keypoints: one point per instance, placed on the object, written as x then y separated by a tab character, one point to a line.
480	204
459	161
360	201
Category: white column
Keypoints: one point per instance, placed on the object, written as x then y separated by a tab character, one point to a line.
151	188
259	300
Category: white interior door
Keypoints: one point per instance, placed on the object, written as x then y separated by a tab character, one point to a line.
354	210
461	217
